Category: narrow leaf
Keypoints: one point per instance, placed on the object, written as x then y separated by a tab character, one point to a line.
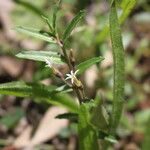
40	56
73	24
56	9
36	33
63	89
48	22
31	7
111	139
38	91
88	63
119	69
70	116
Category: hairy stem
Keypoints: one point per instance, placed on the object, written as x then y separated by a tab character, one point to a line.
119	69
78	92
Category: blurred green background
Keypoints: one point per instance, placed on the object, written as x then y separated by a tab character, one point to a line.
88	39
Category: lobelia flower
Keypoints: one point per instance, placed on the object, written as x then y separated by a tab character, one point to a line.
72	76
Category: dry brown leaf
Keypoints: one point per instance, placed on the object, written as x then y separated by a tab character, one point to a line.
49	126
47	129
24	139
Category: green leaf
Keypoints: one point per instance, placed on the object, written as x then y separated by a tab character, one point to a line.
111	139
55	12
40	56
31	7
99	117
73	24
119	69
70	116
63	89
128	6
36	33
88	139
48	22
12	118
88	63
38	91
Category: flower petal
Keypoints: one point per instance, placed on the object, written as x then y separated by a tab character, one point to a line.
67	78
76	72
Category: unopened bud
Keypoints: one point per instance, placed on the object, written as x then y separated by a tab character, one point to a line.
56	72
72	58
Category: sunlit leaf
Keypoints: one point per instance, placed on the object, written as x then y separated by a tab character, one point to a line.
111	139
40	56
36	33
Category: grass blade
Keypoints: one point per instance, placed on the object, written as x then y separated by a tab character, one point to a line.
40	56
73	24
88	63
119	68
38	91
36	33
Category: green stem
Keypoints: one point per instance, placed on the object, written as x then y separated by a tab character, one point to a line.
88	139
119	69
76	89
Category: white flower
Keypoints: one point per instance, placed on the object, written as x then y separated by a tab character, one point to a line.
49	62
72	76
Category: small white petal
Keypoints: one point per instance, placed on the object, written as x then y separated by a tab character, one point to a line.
69	75
76	72
67	78
49	63
72	80
71	72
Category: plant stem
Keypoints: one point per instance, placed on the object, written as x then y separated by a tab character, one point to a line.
80	94
119	69
88	139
